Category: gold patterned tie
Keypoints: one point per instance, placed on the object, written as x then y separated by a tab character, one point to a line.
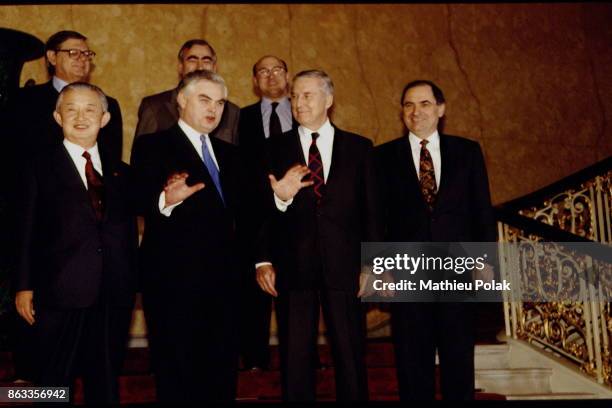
427	176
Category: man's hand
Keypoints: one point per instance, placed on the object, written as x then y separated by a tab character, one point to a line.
366	279
287	187
25	305
177	190
266	278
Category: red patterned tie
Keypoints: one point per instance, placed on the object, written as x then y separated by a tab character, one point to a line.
95	188
316	167
427	176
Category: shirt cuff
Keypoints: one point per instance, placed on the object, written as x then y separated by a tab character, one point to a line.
282	205
258	264
167	211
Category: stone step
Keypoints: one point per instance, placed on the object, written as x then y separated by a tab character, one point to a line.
513	381
553	396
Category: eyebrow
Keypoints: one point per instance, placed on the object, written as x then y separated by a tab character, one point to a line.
203	95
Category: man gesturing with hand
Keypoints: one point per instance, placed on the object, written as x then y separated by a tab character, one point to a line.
322	184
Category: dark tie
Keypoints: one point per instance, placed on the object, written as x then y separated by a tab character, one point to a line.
316	167
275	125
210	166
95	187
427	176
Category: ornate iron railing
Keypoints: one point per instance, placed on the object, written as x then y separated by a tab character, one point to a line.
576	209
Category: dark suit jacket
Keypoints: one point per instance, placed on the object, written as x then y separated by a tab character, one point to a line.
160	111
65	255
462	211
254	156
314	245
34	126
194	248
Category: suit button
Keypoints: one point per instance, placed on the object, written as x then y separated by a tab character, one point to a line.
99	250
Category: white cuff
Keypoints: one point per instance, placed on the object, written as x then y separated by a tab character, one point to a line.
167	211
258	264
282	205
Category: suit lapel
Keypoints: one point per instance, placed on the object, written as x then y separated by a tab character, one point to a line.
448	161
337	157
68	173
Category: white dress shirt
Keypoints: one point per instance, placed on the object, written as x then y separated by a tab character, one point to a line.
283	110
58	84
76	154
434	150
325	144
194	137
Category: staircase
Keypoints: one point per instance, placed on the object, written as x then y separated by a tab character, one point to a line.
512	371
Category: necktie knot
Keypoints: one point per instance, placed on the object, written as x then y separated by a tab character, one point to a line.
203	139
315	136
424	143
274	106
86	155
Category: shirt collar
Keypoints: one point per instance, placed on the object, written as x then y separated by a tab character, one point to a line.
433	139
191	133
59	84
75	150
325	129
268	102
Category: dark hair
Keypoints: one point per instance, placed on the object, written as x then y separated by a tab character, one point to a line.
196	41
56	40
437	92
268	56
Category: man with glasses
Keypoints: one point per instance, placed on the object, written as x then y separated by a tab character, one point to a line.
160	111
69	60
269	117
33	128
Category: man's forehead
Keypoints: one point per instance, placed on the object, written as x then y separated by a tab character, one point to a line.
420	93
198	50
74	43
81	96
269	61
308	84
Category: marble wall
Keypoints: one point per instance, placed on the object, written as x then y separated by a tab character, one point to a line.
531	82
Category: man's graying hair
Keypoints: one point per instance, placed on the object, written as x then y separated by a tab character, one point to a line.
201	75
328	85
82	85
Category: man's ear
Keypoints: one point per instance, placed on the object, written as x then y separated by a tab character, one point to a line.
57	117
51	57
329	101
105	118
180	100
441	109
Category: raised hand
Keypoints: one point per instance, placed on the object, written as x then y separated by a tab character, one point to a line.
177	190
287	187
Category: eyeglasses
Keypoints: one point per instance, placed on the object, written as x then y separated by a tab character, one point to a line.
73	53
265	72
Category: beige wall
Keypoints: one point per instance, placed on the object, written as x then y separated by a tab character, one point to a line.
532	83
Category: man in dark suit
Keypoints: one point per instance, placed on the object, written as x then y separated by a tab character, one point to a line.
435	189
271	116
69	60
188	183
76	272
32	126
310	246
160	111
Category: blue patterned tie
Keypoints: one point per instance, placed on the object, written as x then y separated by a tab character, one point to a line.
210	166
